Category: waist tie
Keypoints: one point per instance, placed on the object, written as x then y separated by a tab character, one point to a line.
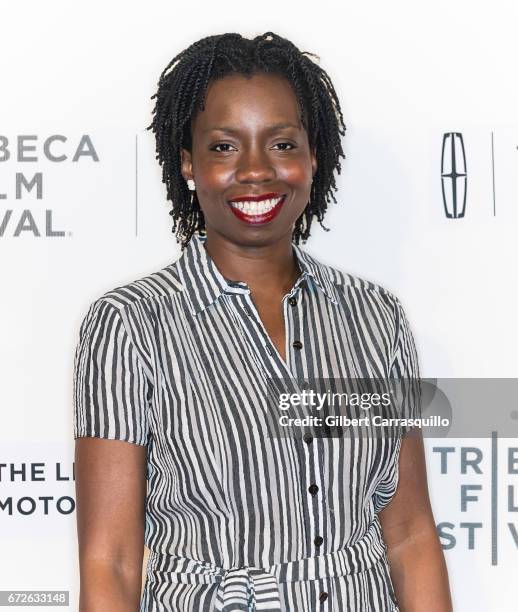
250	588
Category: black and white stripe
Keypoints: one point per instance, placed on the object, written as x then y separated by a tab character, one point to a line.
179	361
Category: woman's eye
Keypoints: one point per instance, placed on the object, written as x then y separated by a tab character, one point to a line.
283	146
219	150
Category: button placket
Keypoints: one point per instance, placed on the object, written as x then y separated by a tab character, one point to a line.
293	315
291	312
311	451
319	496
294	340
314	494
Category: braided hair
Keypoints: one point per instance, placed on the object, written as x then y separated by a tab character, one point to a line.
181	93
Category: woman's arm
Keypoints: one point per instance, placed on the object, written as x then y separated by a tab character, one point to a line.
110	493
417	563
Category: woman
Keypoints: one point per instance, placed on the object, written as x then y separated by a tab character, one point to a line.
171	373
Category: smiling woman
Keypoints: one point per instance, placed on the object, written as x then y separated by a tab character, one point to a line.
173	372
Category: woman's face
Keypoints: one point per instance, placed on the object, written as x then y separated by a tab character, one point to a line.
250	159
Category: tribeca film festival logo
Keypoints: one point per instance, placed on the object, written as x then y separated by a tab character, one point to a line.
481	467
26	152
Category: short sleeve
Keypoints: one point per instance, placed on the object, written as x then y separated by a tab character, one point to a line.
111	392
404	371
405	367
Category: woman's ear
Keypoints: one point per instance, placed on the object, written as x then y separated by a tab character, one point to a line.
186	164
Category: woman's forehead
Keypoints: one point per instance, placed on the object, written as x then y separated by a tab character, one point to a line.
238	99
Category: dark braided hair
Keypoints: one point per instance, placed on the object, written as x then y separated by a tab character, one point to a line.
181	93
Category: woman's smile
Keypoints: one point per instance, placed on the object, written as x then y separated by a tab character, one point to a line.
257	210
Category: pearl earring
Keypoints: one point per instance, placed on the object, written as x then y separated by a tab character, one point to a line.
191	185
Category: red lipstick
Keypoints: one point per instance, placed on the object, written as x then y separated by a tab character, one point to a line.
257	209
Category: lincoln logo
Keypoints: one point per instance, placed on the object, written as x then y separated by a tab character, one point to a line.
453	175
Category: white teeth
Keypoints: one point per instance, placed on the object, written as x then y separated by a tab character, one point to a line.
256	208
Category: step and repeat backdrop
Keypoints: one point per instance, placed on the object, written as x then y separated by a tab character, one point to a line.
427	207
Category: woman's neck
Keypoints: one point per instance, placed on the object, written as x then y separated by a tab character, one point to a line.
269	270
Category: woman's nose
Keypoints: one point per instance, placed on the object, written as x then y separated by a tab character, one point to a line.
254	167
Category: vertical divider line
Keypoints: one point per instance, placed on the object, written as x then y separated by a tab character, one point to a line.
136	184
494	498
493	172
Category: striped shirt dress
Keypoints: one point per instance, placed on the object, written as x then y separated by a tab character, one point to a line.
237	519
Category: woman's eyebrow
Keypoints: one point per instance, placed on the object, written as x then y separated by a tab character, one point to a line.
270	128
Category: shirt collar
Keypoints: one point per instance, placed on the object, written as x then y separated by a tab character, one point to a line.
203	283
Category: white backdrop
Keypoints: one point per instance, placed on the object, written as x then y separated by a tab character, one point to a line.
406	72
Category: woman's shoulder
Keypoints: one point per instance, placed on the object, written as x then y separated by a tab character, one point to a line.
361	284
348	283
146	288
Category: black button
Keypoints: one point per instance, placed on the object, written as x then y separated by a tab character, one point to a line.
323	596
292	301
313	489
318	540
304	384
308	438
297	344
